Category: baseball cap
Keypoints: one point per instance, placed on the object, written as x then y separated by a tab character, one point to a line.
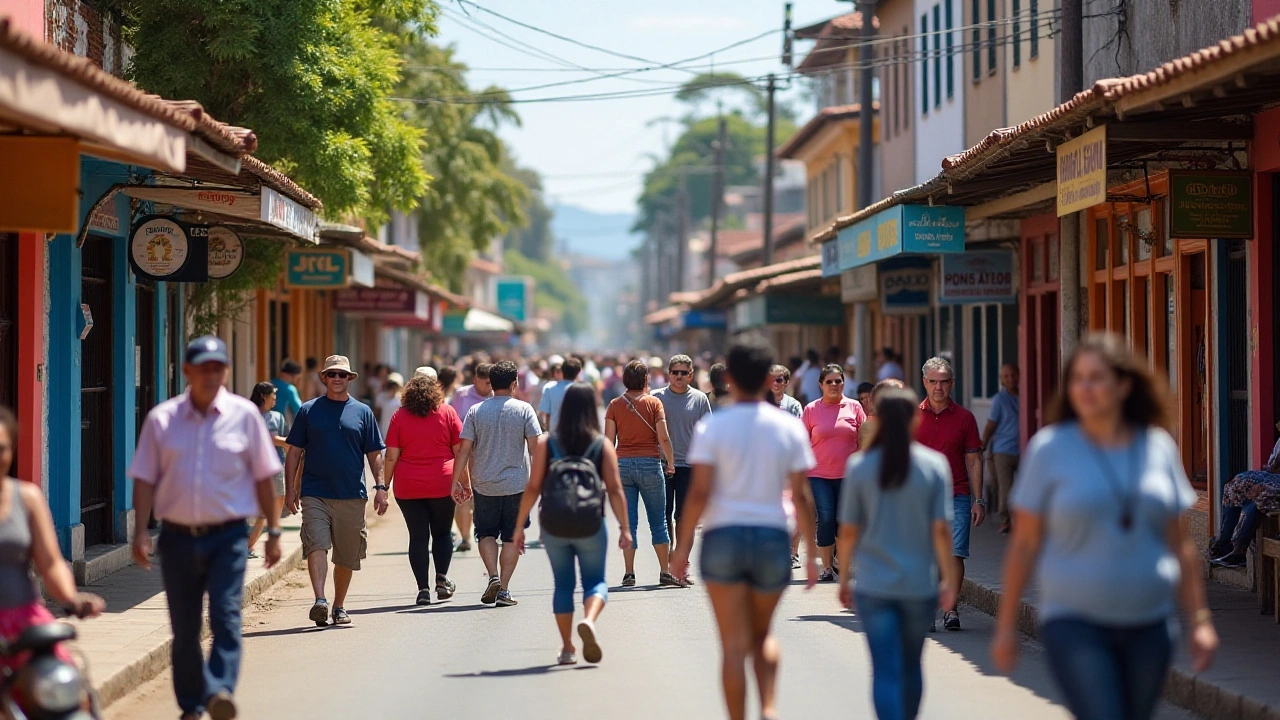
556	360
426	372
337	362
206	349
396	379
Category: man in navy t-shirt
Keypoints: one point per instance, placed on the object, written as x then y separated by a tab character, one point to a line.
337	433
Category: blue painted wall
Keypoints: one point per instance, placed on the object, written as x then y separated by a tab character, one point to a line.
124	388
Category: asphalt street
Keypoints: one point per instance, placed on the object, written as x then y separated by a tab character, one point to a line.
461	659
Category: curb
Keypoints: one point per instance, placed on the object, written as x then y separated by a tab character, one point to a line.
1182	689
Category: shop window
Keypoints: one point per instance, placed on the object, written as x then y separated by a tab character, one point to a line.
1145	233
976	40
1102	226
937	56
1017	33
1122	239
1054	258
924	64
991	36
1037	261
951	77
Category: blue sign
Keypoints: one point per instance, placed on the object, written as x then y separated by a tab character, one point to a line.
905	285
977	277
327	268
899	230
513	297
710	319
830	258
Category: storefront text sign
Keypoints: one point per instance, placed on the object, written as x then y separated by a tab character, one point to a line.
384	301
905	286
1207	204
1082	172
977	277
287	215
830	258
318	269
159	247
226	252
515	297
859	284
361	269
899	230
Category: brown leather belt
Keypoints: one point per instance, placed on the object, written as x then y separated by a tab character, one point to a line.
198	530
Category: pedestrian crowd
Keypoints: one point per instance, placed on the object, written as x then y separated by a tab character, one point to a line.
880	487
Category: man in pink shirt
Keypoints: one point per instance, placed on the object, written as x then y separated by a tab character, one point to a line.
204	463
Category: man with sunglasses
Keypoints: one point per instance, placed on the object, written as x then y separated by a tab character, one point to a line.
337	433
779	378
685	406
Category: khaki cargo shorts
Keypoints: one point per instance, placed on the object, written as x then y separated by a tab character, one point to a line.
336	525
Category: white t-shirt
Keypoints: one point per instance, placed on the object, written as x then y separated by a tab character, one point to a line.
753	447
390	404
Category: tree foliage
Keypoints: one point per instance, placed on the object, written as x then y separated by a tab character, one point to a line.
313	78
553	290
471	199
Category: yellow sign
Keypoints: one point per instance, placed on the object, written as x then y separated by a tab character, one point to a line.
1082	172
887	235
864	243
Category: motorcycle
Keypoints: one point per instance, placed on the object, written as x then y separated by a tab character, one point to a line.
45	687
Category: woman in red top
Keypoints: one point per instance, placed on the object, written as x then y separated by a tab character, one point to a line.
422	442
833	422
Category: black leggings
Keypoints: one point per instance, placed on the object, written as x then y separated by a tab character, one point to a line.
430	522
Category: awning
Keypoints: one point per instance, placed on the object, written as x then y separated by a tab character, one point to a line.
725	288
476	320
899	230
266	207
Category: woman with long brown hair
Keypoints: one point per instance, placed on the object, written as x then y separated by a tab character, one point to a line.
1100	510
422	442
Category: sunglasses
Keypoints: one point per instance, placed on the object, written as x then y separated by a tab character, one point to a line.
779	380
837	381
337	374
680	373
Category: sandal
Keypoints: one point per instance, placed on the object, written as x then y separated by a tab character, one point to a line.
666	579
567	658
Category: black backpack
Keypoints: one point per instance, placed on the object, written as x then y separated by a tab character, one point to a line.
572	493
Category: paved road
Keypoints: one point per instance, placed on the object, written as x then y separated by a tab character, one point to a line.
461	659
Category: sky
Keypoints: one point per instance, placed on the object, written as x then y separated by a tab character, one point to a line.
593	154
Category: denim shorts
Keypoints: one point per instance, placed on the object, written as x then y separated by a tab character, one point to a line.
961	524
757	556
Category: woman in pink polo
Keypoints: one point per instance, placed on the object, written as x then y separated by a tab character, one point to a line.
833	422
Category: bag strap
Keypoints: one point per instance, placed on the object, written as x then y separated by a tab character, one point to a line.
595	453
642	418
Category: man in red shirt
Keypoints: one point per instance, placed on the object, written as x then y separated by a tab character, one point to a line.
953	431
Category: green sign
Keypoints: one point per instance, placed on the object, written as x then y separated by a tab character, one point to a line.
327	268
1210	204
513	297
455	322
788	310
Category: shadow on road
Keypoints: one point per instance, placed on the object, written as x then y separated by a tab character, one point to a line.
294	631
520	672
443	608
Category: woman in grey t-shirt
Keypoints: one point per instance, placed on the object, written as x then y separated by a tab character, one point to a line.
1100	510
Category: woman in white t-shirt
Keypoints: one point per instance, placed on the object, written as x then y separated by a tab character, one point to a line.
736	495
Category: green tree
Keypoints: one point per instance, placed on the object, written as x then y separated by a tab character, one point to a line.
313	78
471	199
553	290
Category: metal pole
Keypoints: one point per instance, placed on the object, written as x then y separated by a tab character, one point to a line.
1070	235
769	165
867	114
717	197
682	232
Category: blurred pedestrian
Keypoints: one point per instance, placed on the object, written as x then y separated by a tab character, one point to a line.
850	382
868	430
1001	438
576	440
339	434
448	376
287	399
863	395
264	397
312	388
204	464
718	376
808	378
423	442
1100	511
832	423
889	365
895	531
953	431
553	394
779	380
684	406
736	495
389	400
500	434
637	424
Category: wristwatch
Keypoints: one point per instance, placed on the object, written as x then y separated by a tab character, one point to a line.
383	488
274	532
980	502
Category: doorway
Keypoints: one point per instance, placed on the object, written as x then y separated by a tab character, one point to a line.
9	330
96	373
145	352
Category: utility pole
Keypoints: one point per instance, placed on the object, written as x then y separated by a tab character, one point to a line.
682	230
717	196
867	114
1071	81
769	163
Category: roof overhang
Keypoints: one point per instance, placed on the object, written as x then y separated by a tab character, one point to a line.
264	210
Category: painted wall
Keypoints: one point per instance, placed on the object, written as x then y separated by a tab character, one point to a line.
830	161
1140	35
1263	9
984	80
898	105
1031	85
1260	258
26	15
940	125
31	357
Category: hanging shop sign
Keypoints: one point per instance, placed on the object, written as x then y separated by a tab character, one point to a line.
900	230
859	284
226	252
288	215
361	269
318	269
268	207
977	277
702	319
905	286
1210	204
830	258
823	310
161	248
384	301
1082	172
515	296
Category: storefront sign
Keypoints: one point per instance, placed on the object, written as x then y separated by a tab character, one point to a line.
859	284
361	269
161	248
384	301
825	310
515	297
830	258
226	252
269	207
905	286
318	269
1207	204
1082	172
287	215
701	319
104	218
899	230
977	277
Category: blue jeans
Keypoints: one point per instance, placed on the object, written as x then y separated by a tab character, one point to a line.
757	556
1109	672
642	479
826	498
961	524
895	631
590	553
192	567
1239	524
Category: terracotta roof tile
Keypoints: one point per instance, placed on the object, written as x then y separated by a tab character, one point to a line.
834	37
279	182
727	286
790	280
666	314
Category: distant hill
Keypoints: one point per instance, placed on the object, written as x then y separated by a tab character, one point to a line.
592	234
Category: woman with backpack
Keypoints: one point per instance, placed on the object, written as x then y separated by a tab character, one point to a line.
573	470
895	529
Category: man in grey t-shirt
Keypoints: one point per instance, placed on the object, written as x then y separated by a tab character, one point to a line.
684	406
503	432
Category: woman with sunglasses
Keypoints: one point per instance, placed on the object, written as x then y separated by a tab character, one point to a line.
1100	510
832	422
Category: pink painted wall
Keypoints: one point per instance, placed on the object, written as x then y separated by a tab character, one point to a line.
1266	160
27	15
1263	9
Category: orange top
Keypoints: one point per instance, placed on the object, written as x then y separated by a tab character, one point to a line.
638	428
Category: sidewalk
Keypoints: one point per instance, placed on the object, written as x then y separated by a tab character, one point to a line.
1241	685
